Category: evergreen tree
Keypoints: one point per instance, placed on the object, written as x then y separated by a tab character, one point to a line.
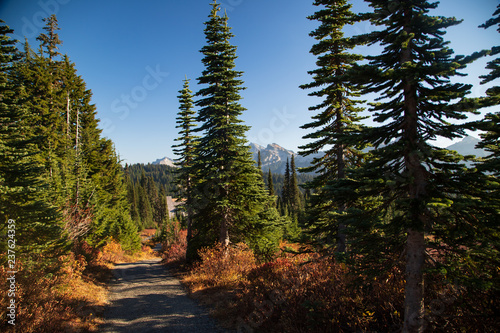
491	122
133	200
270	185
259	164
494	65
415	181
230	199
285	193
337	115
82	169
186	150
295	194
50	40
23	191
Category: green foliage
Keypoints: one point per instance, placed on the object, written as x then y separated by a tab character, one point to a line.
163	176
335	120
186	151
23	189
147	190
62	180
413	193
229	199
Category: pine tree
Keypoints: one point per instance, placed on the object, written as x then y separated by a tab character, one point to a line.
295	194
285	192
50	40
270	184
81	168
133	199
337	114
494	65
415	182
186	150
22	187
230	199
259	164
491	122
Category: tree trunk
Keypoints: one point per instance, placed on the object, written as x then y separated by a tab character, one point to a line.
67	116
414	288
341	235
189	210
77	159
417	193
224	234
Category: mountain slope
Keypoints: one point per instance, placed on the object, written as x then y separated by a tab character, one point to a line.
468	147
274	156
165	161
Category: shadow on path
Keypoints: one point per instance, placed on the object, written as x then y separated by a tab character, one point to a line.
144	297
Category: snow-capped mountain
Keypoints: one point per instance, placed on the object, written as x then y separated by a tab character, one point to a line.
468	147
165	161
274	156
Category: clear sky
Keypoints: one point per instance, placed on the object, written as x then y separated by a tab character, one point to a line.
134	55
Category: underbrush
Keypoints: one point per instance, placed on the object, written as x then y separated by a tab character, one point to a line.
67	294
54	297
221	268
310	293
174	250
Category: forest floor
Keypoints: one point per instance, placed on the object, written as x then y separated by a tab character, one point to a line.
145	296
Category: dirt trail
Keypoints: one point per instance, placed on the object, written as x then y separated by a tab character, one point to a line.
145	297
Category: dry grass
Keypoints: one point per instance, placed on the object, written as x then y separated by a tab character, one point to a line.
57	298
220	268
66	295
310	293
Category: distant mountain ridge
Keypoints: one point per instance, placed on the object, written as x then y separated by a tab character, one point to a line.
274	156
468	147
165	161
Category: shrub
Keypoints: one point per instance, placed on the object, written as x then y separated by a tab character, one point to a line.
221	267
51	296
309	294
174	252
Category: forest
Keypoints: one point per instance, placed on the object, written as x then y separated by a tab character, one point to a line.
384	232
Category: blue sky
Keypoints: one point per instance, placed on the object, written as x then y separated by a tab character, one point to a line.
134	55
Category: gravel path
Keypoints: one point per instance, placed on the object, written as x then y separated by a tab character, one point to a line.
146	298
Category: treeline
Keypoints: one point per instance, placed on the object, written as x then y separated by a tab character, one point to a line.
147	190
60	180
161	175
149	184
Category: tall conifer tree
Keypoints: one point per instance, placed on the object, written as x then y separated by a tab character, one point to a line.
270	185
81	168
186	150
415	181
50	40
285	191
295	195
337	115
22	188
230	200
